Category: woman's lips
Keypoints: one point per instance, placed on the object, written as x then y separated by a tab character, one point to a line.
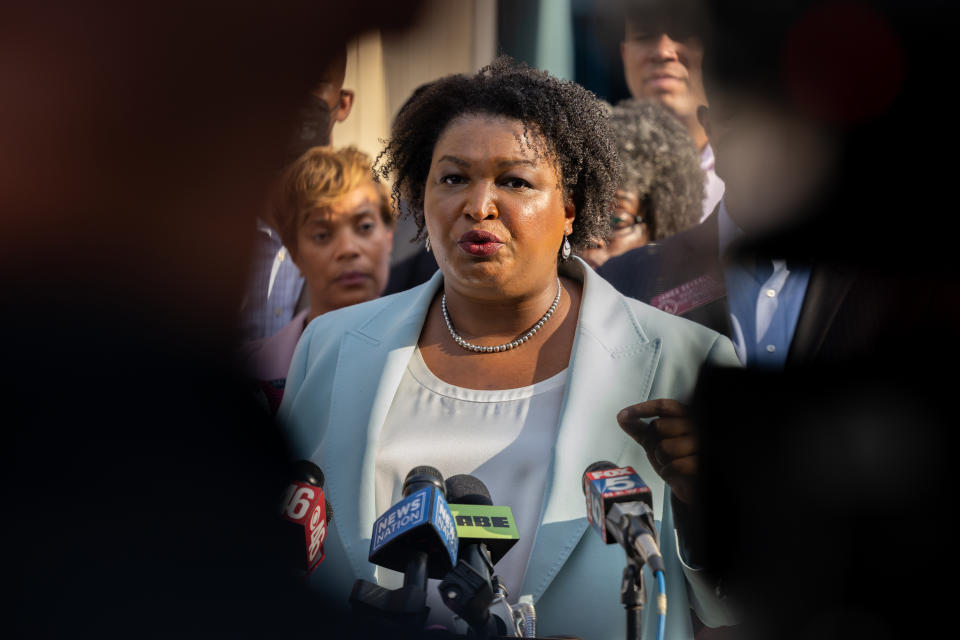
479	243
352	278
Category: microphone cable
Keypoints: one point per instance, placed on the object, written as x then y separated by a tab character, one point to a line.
661	605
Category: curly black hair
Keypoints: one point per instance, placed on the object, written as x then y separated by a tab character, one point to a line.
573	123
660	164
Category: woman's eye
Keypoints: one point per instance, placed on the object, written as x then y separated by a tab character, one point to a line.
516	183
452	179
320	237
366	227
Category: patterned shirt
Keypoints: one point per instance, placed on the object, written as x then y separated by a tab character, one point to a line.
274	287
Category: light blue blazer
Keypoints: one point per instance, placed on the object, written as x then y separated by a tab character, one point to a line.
346	370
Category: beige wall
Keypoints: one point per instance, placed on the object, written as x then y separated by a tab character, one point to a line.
452	36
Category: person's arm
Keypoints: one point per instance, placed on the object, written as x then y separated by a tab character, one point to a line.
664	429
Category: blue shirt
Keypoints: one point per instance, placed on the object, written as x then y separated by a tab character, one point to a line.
764	298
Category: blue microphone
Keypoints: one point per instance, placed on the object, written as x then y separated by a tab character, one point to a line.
417	536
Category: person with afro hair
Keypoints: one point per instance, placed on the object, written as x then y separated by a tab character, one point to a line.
512	363
662	188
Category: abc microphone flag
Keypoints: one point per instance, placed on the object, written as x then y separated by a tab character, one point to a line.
485	524
304	505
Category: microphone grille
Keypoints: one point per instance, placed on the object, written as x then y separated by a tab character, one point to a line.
596	466
467	489
329	508
422	476
306	471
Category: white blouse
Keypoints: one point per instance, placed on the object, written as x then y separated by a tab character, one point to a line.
503	437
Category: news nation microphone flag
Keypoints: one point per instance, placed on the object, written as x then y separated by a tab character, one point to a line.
304	504
605	487
421	521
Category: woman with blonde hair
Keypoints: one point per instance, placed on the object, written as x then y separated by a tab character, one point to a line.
336	224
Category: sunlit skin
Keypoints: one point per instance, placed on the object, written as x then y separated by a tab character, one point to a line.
486	175
338	99
669	71
626	233
343	251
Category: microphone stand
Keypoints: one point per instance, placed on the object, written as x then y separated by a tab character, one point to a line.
400	611
632	594
634	528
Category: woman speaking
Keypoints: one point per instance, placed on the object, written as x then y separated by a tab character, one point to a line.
510	364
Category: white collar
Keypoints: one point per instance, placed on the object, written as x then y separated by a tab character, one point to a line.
706	158
727	230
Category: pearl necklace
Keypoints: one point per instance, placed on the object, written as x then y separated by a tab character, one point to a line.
501	347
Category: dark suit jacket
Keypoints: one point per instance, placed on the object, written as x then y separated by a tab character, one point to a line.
843	312
411	271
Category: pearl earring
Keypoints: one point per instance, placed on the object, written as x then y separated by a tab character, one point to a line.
566	250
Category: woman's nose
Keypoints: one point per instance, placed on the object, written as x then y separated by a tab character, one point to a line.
480	204
346	245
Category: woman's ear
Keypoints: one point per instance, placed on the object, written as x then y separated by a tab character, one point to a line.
570	213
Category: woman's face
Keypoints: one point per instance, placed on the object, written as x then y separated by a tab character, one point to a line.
495	208
626	232
343	251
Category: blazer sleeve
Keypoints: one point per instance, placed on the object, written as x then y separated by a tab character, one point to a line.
306	390
704	593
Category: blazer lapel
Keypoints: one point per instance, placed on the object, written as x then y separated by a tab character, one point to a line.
609	346
826	291
370	365
696	253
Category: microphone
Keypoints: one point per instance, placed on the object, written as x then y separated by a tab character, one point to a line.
620	508
416	536
305	506
486	532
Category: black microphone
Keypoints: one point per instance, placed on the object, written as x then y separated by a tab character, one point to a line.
304	505
416	536
471	590
620	508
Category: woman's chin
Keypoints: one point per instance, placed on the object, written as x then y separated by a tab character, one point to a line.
480	273
351	297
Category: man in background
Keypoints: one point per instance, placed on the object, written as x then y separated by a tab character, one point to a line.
842	423
276	289
662	53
